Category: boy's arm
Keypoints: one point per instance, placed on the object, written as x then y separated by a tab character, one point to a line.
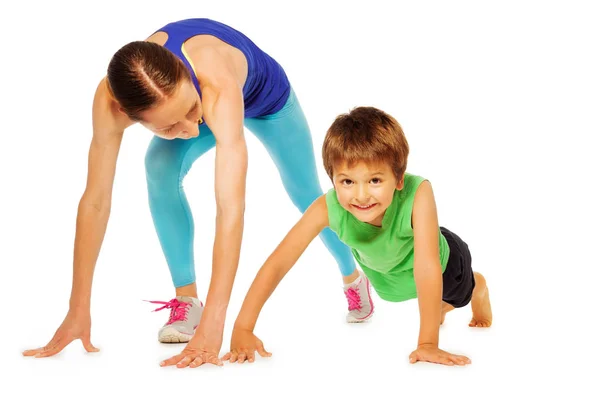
243	341
427	267
428	279
313	221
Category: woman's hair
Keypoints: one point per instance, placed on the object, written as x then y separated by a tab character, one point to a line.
141	74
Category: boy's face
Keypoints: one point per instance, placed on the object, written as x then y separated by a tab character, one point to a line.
366	189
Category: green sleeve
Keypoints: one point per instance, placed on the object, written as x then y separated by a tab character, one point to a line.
334	210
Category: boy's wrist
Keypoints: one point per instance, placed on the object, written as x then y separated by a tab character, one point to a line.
243	324
428	344
429	336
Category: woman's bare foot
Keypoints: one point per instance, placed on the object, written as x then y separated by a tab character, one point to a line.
445	309
480	304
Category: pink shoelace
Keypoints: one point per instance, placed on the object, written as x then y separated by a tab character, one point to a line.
178	309
353	298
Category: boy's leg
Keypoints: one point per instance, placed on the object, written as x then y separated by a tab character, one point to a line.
167	163
286	136
480	303
462	285
446	307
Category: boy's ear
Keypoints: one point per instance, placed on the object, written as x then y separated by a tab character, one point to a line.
400	183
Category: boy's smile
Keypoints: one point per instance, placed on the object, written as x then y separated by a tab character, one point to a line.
365	207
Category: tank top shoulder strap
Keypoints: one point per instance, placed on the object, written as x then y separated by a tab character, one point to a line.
176	39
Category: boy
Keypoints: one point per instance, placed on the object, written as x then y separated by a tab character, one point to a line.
389	220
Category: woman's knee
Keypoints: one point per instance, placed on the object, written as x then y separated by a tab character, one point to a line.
162	162
303	197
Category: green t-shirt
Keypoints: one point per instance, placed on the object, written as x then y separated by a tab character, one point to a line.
386	253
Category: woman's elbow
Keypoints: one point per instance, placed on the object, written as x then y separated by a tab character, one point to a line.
231	211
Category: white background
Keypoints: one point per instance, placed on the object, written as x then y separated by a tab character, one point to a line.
499	102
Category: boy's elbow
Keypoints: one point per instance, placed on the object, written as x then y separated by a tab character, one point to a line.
428	271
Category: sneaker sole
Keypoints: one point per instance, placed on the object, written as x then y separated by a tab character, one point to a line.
354	320
171	335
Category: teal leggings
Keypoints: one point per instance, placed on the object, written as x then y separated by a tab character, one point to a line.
287	138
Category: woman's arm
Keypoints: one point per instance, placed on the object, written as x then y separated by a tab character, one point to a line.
92	218
223	105
94	207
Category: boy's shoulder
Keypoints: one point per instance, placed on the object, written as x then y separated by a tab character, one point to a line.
411	184
335	211
331	197
413	178
404	198
333	204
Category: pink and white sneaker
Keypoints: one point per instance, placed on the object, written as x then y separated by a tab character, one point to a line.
360	304
184	318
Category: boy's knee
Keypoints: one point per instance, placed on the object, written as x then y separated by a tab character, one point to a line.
479	279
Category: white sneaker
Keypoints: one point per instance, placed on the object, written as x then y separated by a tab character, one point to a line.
184	318
360	304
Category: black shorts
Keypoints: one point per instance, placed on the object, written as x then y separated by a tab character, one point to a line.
458	278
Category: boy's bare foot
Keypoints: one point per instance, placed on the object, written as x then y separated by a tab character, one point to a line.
445	309
480	304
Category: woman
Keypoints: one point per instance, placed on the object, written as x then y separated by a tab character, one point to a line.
195	84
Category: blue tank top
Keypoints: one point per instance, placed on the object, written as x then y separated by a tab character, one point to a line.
266	89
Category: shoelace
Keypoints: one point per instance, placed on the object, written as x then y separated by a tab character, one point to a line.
178	309
353	298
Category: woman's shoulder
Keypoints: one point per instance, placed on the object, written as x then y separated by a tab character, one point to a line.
106	114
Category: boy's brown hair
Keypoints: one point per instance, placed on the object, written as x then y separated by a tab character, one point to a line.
366	134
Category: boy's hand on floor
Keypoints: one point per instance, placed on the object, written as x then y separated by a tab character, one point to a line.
431	353
243	346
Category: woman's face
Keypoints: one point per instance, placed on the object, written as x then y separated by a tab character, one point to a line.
176	116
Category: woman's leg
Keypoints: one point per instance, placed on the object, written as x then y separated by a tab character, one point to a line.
167	163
